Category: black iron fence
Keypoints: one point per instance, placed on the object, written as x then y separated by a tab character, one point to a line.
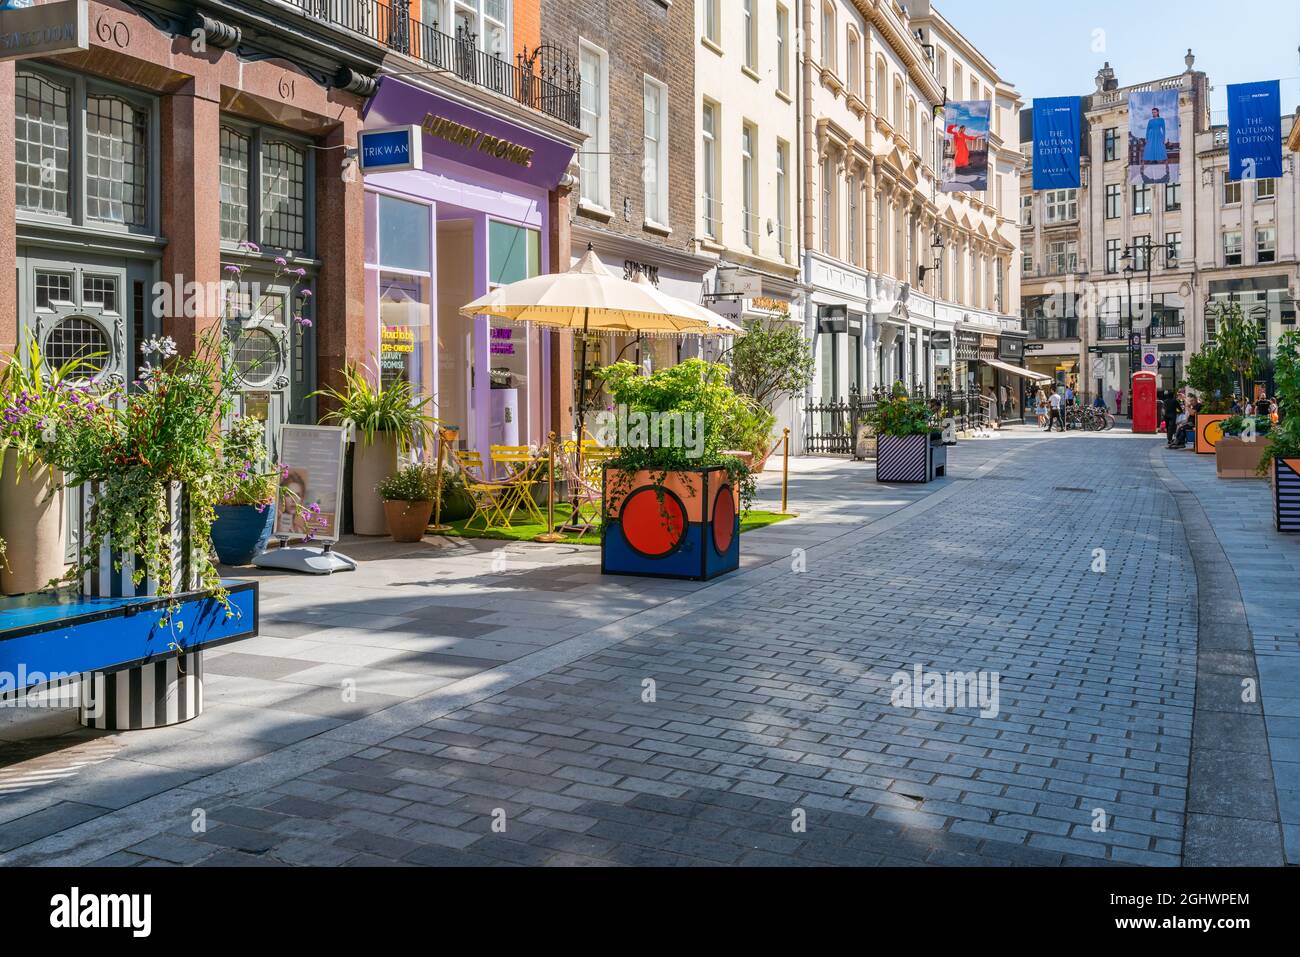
545	79
834	426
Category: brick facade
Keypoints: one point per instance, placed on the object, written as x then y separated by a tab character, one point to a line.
641	38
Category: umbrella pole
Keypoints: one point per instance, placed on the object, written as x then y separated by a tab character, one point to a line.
575	523
551	535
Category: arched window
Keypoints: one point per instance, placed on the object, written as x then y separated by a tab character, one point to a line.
41	144
882	93
911	124
854	65
117	165
828	36
897	118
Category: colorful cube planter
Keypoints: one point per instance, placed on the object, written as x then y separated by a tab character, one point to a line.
1286	495
1209	429
688	527
910	458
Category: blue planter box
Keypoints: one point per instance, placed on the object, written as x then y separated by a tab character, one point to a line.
64	634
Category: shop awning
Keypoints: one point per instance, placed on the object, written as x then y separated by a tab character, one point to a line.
1016	370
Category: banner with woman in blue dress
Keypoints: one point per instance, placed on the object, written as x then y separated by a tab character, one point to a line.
1154	137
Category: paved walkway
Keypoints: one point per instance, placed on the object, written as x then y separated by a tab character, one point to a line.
468	703
1260	587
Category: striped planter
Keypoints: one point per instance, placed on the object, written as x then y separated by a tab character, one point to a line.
908	458
1286	495
102	579
163	692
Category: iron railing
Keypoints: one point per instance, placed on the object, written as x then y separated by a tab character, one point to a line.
1052	328
545	79
831	426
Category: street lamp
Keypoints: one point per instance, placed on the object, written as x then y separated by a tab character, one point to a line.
1130	260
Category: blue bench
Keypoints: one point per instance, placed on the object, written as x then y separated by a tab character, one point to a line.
133	670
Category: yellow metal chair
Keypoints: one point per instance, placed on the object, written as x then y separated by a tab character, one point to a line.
521	465
487	496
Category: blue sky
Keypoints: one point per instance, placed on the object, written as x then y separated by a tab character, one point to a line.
1047	50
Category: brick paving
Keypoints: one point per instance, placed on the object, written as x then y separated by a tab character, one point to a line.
770	737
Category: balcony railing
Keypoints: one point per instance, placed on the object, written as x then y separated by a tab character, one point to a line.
1050	329
546	80
1157	330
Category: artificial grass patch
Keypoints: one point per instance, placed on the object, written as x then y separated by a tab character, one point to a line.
525	532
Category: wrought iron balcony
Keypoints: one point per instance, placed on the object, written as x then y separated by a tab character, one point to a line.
1050	329
545	79
1172	329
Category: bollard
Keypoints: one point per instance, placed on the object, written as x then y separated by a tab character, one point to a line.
785	471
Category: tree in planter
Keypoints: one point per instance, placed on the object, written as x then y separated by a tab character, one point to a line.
1237	344
771	361
1286	378
1210	376
690	393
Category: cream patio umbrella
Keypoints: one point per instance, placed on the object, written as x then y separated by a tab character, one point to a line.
589	298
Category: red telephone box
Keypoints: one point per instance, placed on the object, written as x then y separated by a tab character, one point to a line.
1146	410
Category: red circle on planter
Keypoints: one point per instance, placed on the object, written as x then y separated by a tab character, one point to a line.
651	527
724	519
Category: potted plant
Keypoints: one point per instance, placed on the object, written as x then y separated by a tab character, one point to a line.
1280	460
908	447
40	408
408	496
671	497
1241	449
387	420
1220	370
245	515
771	363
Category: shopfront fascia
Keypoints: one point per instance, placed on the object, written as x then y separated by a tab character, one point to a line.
475	215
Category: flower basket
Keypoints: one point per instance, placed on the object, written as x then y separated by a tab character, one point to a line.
111	572
683	525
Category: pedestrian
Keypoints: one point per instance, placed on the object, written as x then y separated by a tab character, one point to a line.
1099	403
1119	401
1040	407
1054	416
1171	417
1069	395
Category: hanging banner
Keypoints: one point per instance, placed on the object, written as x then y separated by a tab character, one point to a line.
1057	121
1255	130
1154	137
966	146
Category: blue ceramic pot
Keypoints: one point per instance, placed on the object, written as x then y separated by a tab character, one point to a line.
241	532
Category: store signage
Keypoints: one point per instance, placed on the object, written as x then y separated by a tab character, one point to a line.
832	318
49	28
632	269
1011	348
769	304
312	457
502	341
472	138
391	150
1033	347
397	339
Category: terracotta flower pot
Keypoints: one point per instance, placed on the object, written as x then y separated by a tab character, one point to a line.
373	463
408	520
32	524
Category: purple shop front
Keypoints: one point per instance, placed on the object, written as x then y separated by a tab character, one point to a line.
463	207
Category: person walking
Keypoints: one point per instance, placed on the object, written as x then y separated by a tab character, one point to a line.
1054	416
1171	417
1040	406
1119	401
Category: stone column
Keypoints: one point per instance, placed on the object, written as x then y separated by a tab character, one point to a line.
8	244
191	201
561	341
340	309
